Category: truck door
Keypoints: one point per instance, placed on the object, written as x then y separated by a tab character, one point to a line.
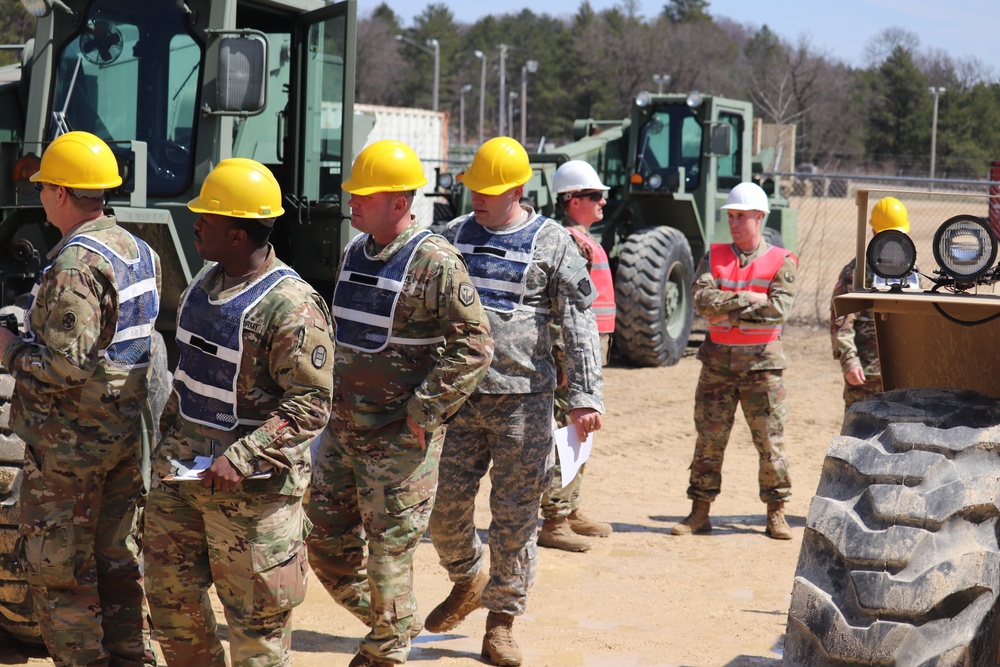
318	141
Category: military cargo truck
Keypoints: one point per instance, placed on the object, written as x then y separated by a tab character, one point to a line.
670	166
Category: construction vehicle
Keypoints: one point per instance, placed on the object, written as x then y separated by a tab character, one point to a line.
173	86
669	166
900	558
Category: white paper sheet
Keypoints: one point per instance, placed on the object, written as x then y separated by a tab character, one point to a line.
571	452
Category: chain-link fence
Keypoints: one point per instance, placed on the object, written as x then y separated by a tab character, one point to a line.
828	221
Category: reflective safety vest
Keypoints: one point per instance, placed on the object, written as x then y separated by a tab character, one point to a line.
367	291
498	262
138	303
754	277
210	338
600	275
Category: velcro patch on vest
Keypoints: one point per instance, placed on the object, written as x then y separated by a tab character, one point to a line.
466	294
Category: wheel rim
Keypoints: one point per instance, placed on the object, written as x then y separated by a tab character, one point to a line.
675	300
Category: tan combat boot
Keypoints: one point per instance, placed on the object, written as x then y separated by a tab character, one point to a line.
777	527
584	525
695	522
465	598
365	660
499	647
558	534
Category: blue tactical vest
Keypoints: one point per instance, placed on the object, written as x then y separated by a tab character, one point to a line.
138	303
367	291
210	338
498	262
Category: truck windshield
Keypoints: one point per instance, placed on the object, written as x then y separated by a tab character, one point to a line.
132	73
671	138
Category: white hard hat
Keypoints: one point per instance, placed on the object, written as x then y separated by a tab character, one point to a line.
747	197
577	175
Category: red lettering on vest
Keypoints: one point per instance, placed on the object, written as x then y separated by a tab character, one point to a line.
754	277
600	275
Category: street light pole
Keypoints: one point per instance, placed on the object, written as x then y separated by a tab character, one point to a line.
530	66
503	85
661	80
461	112
482	94
436	52
437	69
510	110
936	92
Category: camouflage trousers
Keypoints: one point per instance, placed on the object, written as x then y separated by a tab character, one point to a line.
81	519
377	484
855	393
762	397
560	501
514	431
251	546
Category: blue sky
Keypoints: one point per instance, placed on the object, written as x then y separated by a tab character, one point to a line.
840	28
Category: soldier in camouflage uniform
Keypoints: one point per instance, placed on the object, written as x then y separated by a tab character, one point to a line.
81	407
582	196
412	343
745	290
251	391
529	274
853	334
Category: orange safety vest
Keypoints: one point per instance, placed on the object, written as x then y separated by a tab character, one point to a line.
754	277
600	275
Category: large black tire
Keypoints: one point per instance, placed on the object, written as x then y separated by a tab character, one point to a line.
900	563
653	297
16	614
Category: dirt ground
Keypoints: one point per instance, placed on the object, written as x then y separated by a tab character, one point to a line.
640	597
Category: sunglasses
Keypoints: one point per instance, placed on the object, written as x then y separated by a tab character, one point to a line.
38	185
592	196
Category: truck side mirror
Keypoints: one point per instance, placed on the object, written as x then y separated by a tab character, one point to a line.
241	80
720	139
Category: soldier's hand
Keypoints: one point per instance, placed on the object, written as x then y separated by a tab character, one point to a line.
418	432
757	297
586	421
222	475
718	319
855	376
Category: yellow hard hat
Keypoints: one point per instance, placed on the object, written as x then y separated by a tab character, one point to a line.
889	213
386	166
499	165
79	160
241	188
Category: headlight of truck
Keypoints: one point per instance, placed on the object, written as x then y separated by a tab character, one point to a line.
891	254
964	247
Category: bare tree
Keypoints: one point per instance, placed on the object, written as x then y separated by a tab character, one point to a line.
380	68
880	46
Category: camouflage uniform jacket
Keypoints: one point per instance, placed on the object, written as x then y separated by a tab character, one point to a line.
427	382
284	382
853	335
523	361
62	381
709	299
